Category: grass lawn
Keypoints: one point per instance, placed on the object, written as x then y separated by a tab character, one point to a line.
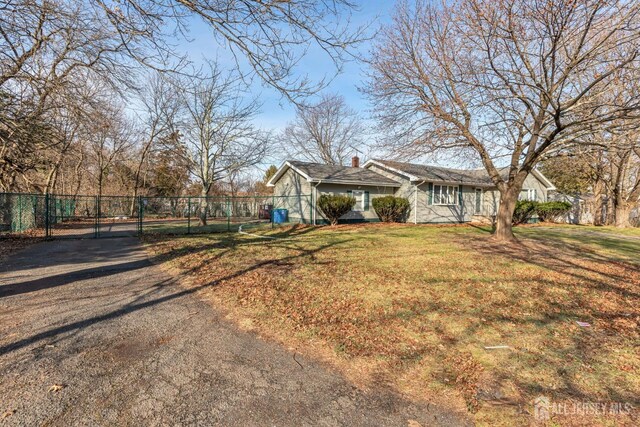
413	307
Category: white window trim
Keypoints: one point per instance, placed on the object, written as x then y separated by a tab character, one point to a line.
532	194
477	211
456	190
359	207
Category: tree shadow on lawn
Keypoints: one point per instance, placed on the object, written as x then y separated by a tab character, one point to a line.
580	285
560	348
618	247
229	243
392	333
581	262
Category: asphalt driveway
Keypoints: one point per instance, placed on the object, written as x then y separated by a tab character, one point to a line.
92	333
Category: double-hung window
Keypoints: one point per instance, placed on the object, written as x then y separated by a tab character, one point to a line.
362	200
359	196
445	195
528	194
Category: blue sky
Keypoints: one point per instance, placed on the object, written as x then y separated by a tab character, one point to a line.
276	111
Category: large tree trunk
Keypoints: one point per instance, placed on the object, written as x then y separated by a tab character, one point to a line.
504	221
598	203
611	209
623	217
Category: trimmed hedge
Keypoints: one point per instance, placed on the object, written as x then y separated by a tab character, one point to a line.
391	208
334	206
524	211
546	211
551	211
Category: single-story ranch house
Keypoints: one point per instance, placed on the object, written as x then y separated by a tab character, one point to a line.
437	195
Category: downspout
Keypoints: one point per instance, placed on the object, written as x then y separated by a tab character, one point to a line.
315	202
415	202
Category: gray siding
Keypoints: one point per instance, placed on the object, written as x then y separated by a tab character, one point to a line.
406	190
427	213
299	203
293	192
534	183
491	199
431	213
368	215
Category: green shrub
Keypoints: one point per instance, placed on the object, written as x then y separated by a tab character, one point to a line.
524	211
391	208
334	206
551	211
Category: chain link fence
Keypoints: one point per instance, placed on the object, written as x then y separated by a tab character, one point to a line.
190	215
23	214
81	216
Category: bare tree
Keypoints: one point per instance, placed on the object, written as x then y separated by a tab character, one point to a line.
509	81
271	36
109	138
324	132
625	179
218	138
50	51
158	119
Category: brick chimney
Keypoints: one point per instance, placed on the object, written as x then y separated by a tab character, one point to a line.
355	162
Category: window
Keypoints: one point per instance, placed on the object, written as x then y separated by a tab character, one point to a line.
362	200
528	194
445	195
359	196
478	204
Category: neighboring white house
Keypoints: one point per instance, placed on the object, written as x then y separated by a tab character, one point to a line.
437	195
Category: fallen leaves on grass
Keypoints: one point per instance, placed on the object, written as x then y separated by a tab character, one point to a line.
467	372
56	388
8	413
414	302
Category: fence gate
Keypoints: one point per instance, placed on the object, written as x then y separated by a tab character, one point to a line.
72	216
118	216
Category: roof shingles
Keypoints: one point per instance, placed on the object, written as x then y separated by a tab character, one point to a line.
338	174
439	174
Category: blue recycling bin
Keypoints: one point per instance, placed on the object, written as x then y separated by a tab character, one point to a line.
280	216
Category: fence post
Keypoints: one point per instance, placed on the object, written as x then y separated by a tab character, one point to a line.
19	213
47	213
273	208
228	215
96	230
140	215
189	215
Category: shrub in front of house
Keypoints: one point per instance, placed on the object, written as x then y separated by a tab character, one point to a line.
333	206
524	211
391	208
552	211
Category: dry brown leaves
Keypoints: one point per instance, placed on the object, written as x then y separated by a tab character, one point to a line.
466	372
8	413
56	388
